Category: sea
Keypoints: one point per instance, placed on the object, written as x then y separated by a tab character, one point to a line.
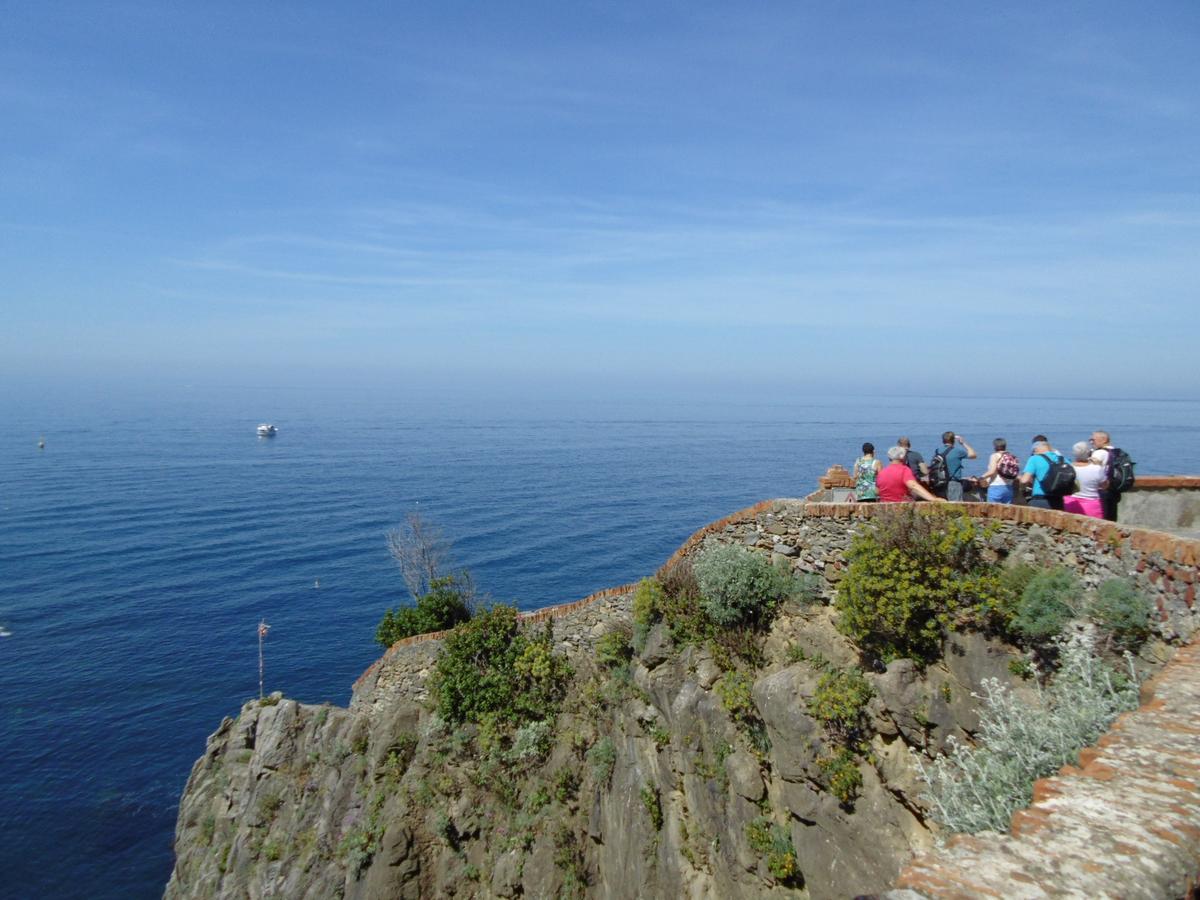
141	547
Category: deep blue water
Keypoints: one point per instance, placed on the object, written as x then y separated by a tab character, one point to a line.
139	550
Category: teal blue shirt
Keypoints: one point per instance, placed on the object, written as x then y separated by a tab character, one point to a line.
1038	466
954	460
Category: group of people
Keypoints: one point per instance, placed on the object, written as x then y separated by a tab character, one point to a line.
1044	481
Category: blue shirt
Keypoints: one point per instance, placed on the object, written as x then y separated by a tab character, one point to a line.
954	460
1038	466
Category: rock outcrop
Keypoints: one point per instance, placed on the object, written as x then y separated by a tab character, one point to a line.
291	800
673	775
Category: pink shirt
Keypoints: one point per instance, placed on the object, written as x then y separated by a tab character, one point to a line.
892	482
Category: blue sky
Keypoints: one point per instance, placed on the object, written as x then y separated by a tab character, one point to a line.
790	197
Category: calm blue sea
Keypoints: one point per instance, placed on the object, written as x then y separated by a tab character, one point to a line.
140	548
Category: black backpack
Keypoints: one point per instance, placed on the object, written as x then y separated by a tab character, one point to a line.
1119	471
939	472
1059	479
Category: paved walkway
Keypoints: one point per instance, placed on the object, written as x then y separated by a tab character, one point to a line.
1125	824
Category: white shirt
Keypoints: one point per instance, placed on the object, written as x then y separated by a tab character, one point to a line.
1087	481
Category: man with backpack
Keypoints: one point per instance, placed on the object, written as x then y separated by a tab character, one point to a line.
1118	472
946	466
1051	477
914	460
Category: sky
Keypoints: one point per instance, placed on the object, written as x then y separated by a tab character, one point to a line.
781	197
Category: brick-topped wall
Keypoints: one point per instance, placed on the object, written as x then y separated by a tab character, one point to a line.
815	535
1164	563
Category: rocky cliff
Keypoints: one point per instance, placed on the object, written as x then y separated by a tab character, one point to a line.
292	800
674	773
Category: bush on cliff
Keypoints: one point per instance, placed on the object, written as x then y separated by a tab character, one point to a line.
444	606
1047	603
1123	612
840	702
915	572
979	788
738	585
492	671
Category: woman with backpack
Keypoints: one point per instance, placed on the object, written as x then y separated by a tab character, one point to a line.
1002	471
866	467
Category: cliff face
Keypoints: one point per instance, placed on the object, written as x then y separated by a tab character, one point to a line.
673	774
650	787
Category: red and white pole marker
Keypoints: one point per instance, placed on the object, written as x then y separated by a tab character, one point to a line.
263	628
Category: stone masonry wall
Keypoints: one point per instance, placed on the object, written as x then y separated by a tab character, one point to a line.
815	536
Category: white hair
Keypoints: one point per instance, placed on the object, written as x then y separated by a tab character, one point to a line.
896	453
1082	451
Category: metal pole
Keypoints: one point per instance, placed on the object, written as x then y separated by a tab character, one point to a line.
263	628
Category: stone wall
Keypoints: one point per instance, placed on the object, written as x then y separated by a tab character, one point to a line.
814	537
1167	502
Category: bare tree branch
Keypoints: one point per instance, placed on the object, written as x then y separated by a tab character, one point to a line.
420	550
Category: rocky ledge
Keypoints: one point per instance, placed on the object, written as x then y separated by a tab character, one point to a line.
675	775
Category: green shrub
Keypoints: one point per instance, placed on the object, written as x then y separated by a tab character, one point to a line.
538	800
734	690
775	843
1016	577
1047	604
603	758
979	788
566	785
569	858
647	602
531	742
685	616
679	580
491	670
443	607
740	585
652	803
1124	612
840	702
911	575
842	774
615	648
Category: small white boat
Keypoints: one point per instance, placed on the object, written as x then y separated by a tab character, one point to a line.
266	430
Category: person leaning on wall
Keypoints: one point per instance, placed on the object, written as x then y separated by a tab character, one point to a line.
866	469
913	460
897	484
999	487
954	451
1036	469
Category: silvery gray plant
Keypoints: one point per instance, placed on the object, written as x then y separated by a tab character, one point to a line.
978	788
